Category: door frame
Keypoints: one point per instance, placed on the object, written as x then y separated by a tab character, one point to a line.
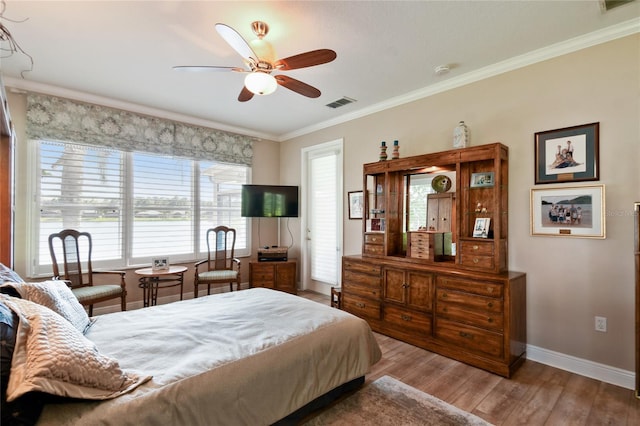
305	271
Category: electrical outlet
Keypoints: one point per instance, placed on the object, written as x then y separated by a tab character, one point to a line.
601	324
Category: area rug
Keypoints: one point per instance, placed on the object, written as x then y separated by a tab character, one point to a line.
388	401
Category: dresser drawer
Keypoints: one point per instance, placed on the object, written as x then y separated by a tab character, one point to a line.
407	320
358	278
364	267
476	248
372	291
374	249
374	238
360	306
472	339
482	288
484	262
474	310
471	301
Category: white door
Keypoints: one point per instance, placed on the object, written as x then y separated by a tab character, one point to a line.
322	216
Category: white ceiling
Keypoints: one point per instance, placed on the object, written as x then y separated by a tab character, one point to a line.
121	53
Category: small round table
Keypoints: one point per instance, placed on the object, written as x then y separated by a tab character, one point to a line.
151	280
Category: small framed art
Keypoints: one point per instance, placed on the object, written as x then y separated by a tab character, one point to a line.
356	204
160	264
481	227
576	211
484	179
570	154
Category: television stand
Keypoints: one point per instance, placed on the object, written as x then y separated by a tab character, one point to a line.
276	275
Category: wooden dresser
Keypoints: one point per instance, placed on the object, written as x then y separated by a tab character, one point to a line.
474	318
426	277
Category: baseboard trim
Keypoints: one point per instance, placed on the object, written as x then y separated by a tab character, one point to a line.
583	367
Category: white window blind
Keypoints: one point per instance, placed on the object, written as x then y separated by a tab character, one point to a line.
163	205
220	198
324	242
135	205
81	188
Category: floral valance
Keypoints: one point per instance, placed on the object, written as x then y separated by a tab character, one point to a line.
60	119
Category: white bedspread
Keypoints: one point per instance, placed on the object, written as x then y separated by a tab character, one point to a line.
240	358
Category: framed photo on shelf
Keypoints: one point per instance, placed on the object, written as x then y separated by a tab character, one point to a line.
570	154
356	204
482	179
160	264
481	227
576	211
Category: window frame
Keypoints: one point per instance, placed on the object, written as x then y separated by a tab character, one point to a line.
126	261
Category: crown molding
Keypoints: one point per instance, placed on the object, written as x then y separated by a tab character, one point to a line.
568	46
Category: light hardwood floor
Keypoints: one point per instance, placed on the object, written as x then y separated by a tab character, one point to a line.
536	394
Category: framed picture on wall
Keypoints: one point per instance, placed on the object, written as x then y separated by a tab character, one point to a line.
356	204
575	211
570	154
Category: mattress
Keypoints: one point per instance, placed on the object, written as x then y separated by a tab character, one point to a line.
249	357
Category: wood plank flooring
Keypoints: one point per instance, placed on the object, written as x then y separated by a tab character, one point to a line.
537	394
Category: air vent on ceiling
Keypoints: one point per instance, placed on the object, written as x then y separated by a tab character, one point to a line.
341	102
610	4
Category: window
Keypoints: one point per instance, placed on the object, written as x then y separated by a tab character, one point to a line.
135	205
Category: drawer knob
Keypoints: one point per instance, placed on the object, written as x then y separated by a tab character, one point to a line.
475	247
476	260
490	304
444	310
489	320
360	305
405	285
405	317
444	295
466	335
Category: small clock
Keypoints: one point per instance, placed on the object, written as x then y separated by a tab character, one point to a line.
460	135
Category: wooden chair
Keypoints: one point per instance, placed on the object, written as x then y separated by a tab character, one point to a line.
220	266
73	248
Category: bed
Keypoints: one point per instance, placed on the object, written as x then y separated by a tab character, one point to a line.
251	357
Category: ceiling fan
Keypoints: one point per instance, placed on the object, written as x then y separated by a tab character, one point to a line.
260	60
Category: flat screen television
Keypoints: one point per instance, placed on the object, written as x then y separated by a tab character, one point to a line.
269	201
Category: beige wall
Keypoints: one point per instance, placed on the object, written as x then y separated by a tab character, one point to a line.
569	280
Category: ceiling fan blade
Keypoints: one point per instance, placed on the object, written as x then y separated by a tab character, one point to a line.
297	86
236	41
307	59
245	95
207	68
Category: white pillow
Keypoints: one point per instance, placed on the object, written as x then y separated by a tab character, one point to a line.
51	356
55	295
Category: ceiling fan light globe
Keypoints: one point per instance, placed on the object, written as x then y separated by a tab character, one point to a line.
260	83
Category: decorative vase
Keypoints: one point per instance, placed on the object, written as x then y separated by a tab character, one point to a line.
383	151
396	151
461	135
